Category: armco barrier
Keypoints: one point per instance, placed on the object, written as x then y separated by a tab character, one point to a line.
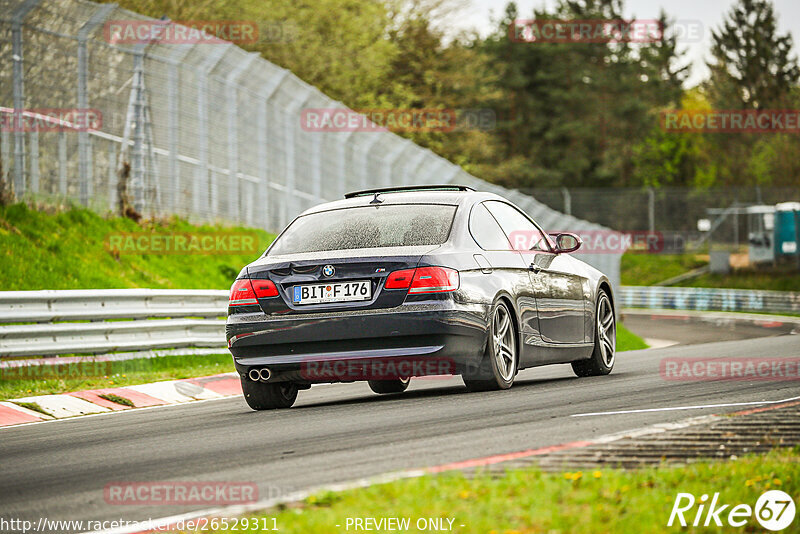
120	320
709	299
47	323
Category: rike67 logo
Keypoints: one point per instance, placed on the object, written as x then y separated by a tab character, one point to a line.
774	510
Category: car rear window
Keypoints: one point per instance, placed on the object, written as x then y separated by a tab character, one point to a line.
396	225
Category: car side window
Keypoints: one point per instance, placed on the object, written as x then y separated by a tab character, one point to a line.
521	232
485	230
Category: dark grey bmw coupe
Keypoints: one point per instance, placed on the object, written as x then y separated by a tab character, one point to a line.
389	284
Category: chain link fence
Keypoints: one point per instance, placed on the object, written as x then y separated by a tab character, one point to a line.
671	212
206	131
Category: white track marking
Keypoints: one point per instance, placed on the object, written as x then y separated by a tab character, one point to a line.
678	408
659	343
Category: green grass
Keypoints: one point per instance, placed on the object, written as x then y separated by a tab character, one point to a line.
116	398
775	280
67	250
32	406
639	269
123	373
648	269
529	501
627	340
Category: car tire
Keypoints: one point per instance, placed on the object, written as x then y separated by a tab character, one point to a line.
605	340
499	364
386	387
260	396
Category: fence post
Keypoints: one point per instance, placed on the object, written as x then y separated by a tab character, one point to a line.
316	166
263	166
174	59
5	152
456	171
567	201
366	149
137	159
62	163
233	135
392	177
394	155
291	122
412	166
19	93
85	175
343	163
34	154
202	174
112	176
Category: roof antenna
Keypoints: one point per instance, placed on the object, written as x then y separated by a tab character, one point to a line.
376	200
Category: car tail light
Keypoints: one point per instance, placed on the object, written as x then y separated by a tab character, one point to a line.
264	289
434	280
242	293
424	280
400	279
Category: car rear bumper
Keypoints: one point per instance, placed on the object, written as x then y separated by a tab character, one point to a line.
439	337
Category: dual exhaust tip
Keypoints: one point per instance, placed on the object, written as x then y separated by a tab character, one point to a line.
260	375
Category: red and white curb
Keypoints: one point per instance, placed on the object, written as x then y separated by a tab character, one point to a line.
166	524
92	401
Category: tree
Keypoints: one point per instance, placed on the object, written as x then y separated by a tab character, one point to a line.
577	108
753	67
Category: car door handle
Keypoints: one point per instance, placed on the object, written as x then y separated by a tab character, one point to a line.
534	268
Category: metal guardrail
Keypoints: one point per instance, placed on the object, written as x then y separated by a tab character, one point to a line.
48	323
120	320
709	299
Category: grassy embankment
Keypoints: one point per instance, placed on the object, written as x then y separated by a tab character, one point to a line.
649	269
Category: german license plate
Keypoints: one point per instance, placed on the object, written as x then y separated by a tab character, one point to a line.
332	292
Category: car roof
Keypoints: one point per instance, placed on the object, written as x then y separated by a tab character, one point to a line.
458	198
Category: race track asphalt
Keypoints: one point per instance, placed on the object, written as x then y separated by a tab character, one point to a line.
338	433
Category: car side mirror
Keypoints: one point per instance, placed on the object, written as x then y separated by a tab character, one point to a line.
568	242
